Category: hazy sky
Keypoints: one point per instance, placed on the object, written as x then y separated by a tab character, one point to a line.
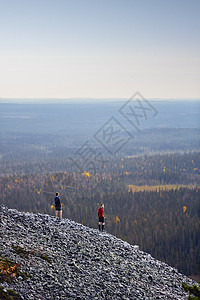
99	48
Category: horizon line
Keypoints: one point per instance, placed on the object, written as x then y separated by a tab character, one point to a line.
95	98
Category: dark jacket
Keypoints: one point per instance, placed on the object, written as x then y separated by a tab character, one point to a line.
57	202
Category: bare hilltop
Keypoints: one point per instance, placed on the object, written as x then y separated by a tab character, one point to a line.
43	257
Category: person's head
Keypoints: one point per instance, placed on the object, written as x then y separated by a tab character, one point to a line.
57	194
102	205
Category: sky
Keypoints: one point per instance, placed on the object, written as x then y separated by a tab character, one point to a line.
99	48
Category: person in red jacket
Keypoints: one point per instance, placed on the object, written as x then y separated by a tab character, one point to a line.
101	217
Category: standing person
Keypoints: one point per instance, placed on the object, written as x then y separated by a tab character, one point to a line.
101	217
58	206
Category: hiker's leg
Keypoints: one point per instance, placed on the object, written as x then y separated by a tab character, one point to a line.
100	226
56	213
61	214
103	226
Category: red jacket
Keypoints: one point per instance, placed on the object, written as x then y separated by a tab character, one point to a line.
101	212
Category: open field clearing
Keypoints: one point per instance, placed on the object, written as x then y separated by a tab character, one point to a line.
165	187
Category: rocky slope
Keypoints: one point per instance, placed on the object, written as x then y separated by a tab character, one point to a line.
66	260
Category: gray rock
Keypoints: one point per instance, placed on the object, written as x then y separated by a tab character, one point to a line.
136	247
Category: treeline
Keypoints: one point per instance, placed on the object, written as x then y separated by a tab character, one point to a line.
165	224
154	169
162	169
24	153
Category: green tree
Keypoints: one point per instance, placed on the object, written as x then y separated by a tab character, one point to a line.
194	291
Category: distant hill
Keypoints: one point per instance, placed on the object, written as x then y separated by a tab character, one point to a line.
46	258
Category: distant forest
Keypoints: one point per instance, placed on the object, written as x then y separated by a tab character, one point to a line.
47	147
164	223
23	153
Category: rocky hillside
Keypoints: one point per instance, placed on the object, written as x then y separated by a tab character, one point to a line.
46	258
